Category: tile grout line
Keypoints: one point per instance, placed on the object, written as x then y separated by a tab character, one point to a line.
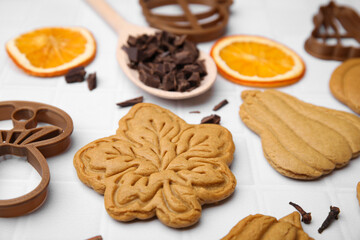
255	174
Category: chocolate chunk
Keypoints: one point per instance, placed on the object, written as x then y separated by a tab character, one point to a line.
194	78
182	85
132	53
179	40
132	41
147	53
156	56
91	80
169	82
215	119
169	66
144	67
75	75
202	70
148	79
169	47
184	57
192	68
132	65
131	102
194	112
158	69
191	47
220	105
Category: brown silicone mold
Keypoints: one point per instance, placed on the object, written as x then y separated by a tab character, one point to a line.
330	22
27	139
194	26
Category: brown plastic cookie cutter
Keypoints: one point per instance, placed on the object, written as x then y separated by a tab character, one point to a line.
27	140
195	26
330	22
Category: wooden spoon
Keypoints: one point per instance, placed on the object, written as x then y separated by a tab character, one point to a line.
124	30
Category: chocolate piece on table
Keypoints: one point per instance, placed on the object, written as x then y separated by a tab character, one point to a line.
215	119
91	80
220	105
194	112
131	102
75	75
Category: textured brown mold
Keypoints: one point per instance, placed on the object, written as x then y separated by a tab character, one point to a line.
190	24
35	143
328	24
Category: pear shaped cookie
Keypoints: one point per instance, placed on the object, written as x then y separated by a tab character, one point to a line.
158	165
300	140
345	84
261	227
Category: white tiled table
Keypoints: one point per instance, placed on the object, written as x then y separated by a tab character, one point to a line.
74	211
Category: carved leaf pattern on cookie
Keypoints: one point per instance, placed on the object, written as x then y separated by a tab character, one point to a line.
262	227
157	164
300	140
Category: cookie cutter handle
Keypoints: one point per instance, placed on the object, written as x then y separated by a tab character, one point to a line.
31	201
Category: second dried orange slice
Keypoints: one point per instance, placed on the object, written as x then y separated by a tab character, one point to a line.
52	51
257	61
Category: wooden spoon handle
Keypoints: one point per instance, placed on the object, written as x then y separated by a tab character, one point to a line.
110	15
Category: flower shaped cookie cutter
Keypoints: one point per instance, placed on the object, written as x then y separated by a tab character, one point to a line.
27	139
334	22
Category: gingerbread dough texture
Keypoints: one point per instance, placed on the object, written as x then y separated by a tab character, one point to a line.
345	84
262	227
300	140
157	164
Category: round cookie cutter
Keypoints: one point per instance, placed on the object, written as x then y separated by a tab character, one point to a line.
189	23
27	140
331	18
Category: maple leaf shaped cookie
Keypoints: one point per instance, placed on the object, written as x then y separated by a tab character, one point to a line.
157	164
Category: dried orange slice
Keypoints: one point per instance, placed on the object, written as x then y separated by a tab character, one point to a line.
52	51
257	61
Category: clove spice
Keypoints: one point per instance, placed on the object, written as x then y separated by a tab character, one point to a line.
305	217
333	214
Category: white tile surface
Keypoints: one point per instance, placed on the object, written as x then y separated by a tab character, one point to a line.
74	211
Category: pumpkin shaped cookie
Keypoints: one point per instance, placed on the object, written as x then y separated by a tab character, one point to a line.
261	227
345	83
157	164
300	140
